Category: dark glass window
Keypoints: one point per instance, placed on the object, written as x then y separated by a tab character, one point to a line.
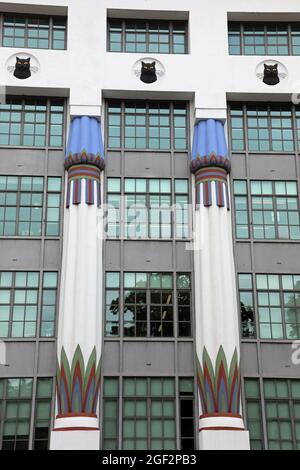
39	32
148	304
164	37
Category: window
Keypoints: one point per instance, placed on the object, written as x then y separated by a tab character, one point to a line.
266	128
40	32
31	122
22	204
42	414
17	403
165	37
151	208
282	402
148	413
253	413
274	210
247	305
19	304
278	304
148	303
147	125
266	39
187	426
110	413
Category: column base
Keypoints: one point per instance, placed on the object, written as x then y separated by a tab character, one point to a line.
75	432
224	440
75	440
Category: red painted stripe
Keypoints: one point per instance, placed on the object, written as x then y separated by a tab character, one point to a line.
76	429
223	428
221	415
76	415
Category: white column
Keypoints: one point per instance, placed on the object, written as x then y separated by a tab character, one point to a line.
221	424
80	310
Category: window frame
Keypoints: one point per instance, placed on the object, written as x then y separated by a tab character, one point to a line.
124	28
266	27
120	302
147	105
27	18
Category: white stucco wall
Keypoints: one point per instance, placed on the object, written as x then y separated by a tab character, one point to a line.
85	69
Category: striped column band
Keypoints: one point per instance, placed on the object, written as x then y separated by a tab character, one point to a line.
210	178
92	176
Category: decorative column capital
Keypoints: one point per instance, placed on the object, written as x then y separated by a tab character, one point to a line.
84	161
85	145
211	163
209	146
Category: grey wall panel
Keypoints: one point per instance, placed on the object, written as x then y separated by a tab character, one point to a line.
238	166
277	360
52	256
113	164
112	255
272	167
182	165
156	165
146	255
147	358
20	357
243	257
20	254
47	358
277	257
186	358
184	257
56	162
111	357
249	359
22	161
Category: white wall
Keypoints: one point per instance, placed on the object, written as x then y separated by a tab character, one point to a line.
208	71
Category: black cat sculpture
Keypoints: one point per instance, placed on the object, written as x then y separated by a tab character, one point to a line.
271	76
22	68
148	72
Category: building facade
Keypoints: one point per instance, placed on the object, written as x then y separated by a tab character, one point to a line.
149	225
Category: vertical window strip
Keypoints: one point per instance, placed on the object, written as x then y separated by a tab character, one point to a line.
254	414
247	306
